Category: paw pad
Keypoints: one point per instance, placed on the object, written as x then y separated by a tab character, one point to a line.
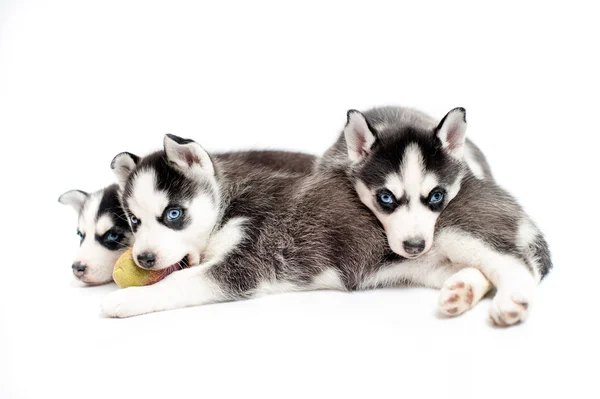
456	298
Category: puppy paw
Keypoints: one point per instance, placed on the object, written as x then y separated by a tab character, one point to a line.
456	297
509	309
123	303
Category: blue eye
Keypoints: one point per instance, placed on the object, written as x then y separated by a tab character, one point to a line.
386	198
134	220
436	197
173	214
112	236
80	235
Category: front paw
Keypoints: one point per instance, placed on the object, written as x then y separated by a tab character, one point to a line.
125	302
456	297
508	309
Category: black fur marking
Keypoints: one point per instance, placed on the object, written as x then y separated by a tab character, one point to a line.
388	154
81	237
116	244
388	207
436	207
179	140
135	158
403	201
179	188
110	205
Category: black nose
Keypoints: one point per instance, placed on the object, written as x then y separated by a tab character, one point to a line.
414	246
78	269
146	260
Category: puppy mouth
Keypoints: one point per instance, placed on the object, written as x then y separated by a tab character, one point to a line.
413	256
184	263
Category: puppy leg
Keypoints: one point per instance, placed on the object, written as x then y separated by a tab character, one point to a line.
462	291
514	280
181	289
515	290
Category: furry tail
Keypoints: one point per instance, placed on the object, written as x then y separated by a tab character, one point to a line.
540	255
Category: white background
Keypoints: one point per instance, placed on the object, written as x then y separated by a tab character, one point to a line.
81	81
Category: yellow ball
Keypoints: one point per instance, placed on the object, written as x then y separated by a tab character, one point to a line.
127	274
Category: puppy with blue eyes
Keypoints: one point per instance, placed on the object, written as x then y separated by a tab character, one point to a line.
103	231
418	179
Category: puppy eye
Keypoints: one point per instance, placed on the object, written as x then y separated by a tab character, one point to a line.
173	214
134	220
80	235
112	236
385	198
436	197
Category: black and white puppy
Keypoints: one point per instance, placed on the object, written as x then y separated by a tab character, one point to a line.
103	230
416	176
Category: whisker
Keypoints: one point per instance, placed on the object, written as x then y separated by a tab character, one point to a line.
123	245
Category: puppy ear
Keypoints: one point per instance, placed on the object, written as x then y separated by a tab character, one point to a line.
187	155
122	166
74	198
452	132
359	136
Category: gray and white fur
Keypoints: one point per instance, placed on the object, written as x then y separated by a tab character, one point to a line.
104	230
417	177
261	232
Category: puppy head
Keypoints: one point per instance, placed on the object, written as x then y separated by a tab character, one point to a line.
407	174
103	232
172	200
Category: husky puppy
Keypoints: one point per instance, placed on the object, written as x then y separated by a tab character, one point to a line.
412	173
104	230
259	232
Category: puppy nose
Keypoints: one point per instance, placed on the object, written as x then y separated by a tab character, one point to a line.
78	269
414	246
146	260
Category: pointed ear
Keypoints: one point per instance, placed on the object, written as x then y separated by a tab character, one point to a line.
359	136
187	155
452	132
122	165
74	198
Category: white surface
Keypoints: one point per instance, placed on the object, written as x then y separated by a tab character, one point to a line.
81	82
